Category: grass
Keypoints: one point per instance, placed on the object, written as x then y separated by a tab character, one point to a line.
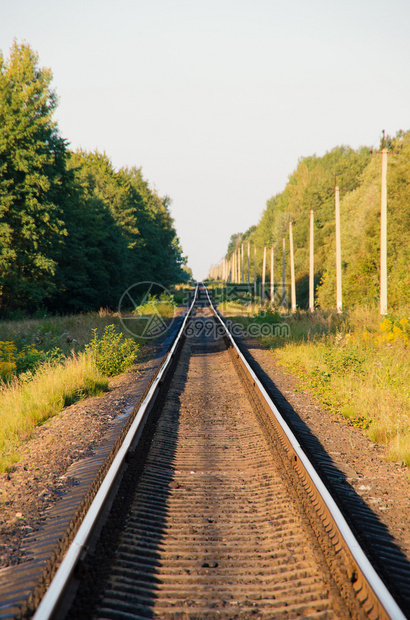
49	363
68	333
163	305
62	360
355	363
27	403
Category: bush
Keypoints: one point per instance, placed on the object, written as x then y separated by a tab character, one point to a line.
14	362
28	359
112	353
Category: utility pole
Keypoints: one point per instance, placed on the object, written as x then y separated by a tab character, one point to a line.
254	276
311	268
283	274
338	252
242	259
236	266
263	273
271	276
292	269
249	262
383	234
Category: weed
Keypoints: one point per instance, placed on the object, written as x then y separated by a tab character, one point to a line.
164	305
356	364
112	352
26	404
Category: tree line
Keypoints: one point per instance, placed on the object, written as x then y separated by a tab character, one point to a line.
311	187
74	232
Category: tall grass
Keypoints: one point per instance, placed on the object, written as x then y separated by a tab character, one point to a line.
163	305
57	369
357	365
49	363
68	333
24	404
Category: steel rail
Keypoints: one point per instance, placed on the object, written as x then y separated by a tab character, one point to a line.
369	586
60	580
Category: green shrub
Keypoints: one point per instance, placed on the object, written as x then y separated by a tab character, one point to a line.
112	353
14	362
28	359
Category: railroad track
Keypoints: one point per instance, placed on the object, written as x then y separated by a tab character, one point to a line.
211	508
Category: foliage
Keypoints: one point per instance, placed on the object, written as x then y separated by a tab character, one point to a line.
311	187
14	362
74	232
361	374
163	304
119	233
112	353
356	365
26	404
32	165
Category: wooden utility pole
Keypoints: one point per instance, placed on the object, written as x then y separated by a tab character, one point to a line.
338	252
254	274
383	234
271	276
242	258
263	273
283	274
249	262
292	270
311	267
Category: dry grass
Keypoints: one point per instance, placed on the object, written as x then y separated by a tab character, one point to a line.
362	375
31	399
24	404
356	364
68	333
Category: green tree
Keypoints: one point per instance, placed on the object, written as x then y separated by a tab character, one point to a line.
234	242
93	262
158	253
360	233
119	233
32	170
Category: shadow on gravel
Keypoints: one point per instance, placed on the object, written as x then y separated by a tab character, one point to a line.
120	576
387	558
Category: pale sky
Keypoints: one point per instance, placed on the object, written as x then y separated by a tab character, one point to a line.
217	100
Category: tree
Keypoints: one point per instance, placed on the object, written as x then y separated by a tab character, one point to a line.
158	254
94	260
119	232
32	169
234	241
